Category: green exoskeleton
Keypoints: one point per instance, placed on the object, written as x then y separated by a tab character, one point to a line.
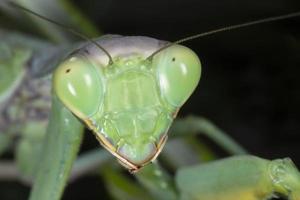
129	103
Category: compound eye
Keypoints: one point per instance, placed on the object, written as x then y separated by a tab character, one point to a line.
179	71
78	85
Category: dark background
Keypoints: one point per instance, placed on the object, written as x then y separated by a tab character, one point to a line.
250	85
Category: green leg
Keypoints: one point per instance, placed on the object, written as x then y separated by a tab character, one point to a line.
239	178
199	125
61	144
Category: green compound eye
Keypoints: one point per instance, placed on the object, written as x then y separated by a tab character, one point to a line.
179	71
78	85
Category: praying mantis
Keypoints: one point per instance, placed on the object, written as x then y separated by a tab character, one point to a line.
89	84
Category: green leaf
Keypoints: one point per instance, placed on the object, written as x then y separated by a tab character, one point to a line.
50	9
157	182
5	142
18	48
12	71
121	187
28	149
185	151
193	125
90	161
79	19
61	11
64	135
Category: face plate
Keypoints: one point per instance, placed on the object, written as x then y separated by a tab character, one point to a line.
132	119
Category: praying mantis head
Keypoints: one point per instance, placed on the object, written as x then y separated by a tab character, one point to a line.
128	103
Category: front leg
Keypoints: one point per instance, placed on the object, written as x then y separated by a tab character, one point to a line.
240	178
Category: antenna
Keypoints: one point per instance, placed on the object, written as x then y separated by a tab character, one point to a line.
67	28
227	28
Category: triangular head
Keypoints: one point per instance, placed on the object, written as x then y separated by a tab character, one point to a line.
128	103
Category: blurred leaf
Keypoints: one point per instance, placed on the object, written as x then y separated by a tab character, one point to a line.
50	9
199	125
178	153
90	161
184	151
81	22
5	142
121	187
27	158
28	150
204	152
14	39
8	172
61	11
61	144
44	56
12	70
157	182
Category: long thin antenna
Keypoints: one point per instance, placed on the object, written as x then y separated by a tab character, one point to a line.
227	28
67	28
